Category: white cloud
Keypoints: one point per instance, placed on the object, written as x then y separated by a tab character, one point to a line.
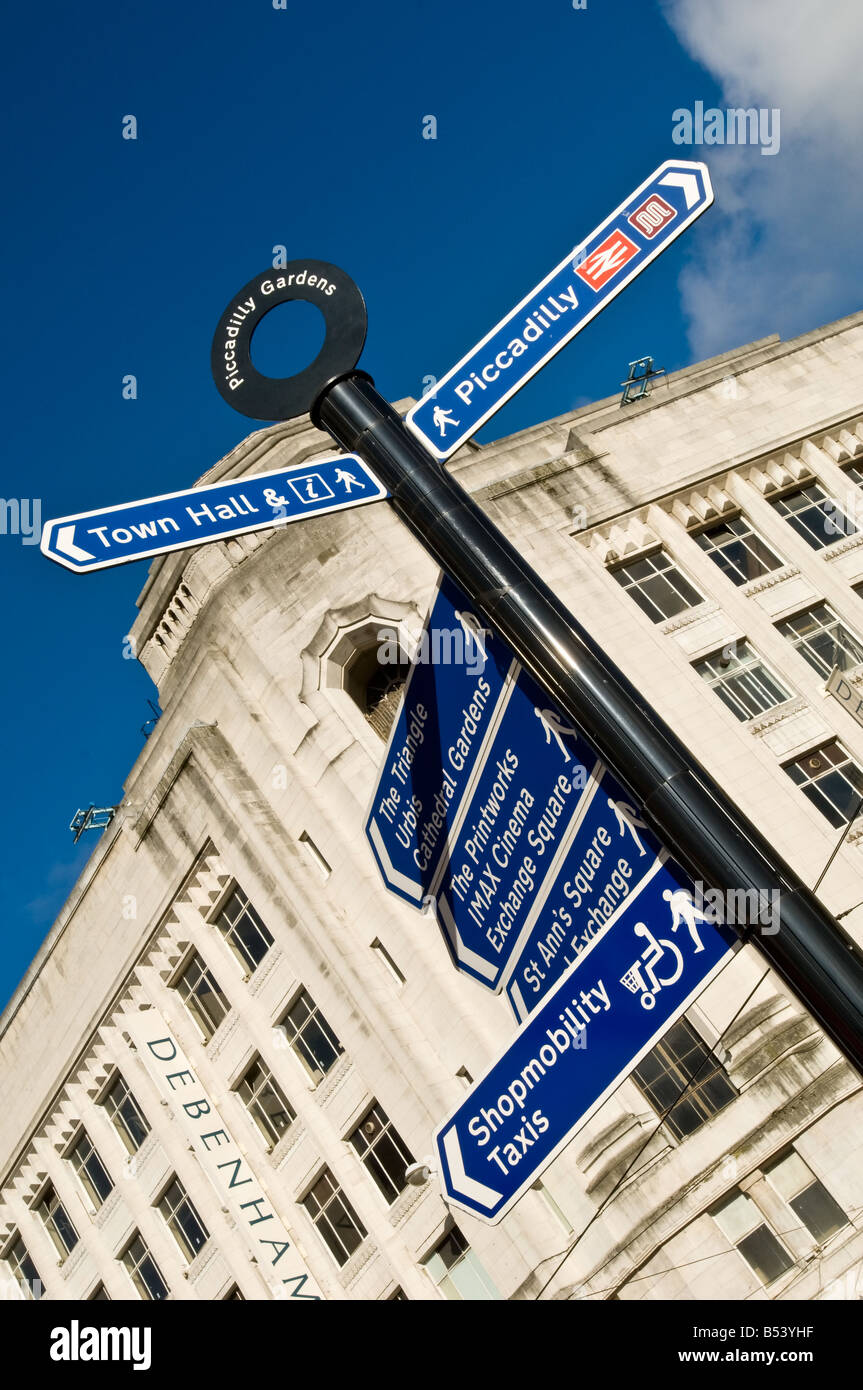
782	249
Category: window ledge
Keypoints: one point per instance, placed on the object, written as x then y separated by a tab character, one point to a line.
357	1263
334	1079
295	1133
109	1206
404	1204
777	715
261	974
71	1262
769	581
222	1035
832	552
202	1261
692	615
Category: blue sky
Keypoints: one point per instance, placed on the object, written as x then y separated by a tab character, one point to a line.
303	127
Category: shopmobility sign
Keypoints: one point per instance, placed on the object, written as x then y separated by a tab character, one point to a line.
629	984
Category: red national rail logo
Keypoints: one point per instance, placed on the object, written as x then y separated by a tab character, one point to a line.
608	258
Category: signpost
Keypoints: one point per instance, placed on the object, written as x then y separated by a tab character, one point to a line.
495	811
626	989
136	530
446	720
572	294
536	771
606	858
546	870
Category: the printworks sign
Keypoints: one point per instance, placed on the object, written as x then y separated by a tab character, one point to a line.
221	1158
495	811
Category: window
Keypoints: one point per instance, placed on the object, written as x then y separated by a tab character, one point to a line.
657	585
311	1036
855	473
814	515
143	1270
376	686
243	929
832	781
807	1197
234	1295
265	1101
742	681
338	1224
57	1223
738	550
99	1295
741	1222
24	1271
91	1170
398	1295
664	1074
383	696
202	996
314	854
456	1271
387	961
184	1222
822	639
126	1115
383	1152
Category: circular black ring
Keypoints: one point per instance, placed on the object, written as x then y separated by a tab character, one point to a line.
281	398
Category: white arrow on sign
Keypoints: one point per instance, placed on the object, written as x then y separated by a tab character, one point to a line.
689	184
65	543
459	1180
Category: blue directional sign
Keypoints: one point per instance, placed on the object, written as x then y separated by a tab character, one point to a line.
608	856
157	525
593	273
536	772
436	748
629	984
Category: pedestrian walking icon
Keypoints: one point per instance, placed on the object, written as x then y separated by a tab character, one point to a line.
474	632
628	819
441	418
347	480
683	909
554	728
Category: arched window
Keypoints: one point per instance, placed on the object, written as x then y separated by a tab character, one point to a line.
376	686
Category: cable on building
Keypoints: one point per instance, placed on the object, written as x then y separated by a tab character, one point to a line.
662	1118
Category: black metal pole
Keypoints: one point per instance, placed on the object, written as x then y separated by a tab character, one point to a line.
686	808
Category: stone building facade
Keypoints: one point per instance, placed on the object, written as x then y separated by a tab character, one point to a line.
711	538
